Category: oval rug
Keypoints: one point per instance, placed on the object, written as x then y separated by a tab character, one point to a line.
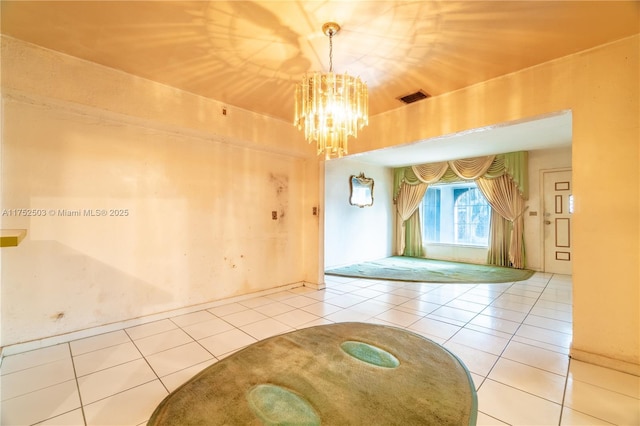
337	374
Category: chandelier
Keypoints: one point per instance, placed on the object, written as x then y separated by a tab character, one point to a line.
331	107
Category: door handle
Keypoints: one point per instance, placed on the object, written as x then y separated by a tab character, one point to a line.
547	222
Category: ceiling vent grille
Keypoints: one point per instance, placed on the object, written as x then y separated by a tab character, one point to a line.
414	97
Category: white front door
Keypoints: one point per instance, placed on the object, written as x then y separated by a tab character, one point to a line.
558	207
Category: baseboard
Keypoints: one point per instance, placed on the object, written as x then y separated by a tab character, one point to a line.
107	328
603	361
315	286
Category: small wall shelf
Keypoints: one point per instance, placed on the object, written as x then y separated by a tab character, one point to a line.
11	237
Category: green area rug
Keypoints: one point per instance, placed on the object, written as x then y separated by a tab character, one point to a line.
337	374
401	268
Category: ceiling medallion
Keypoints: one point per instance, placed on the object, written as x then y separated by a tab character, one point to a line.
331	107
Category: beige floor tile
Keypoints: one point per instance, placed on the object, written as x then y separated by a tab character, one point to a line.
149	329
319	321
347	300
266	328
575	418
367	292
34	378
321	309
505	314
434	328
322	295
392	299
21	361
529	379
244	317
555	305
544	335
398	317
283	295
274	308
40	405
162	341
101	341
227	309
105	383
512	306
516	407
178	358
174	380
347	315
602	403
482	341
493	323
534	356
476	361
372	307
485	420
466	305
104	358
254	302
295	318
507	296
192	318
551	313
437	298
299	301
406	292
72	418
460	315
228	341
477	298
537	343
207	328
548	323
418	307
130	407
612	380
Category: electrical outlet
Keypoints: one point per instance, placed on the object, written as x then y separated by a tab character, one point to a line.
315	211
274	215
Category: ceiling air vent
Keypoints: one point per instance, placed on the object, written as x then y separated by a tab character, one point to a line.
414	97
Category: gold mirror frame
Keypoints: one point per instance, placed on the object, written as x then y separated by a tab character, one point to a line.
361	191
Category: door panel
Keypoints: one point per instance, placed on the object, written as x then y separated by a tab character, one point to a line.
558	189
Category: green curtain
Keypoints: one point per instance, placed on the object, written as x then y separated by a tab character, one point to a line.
413	236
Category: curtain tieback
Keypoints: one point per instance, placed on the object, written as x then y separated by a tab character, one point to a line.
521	213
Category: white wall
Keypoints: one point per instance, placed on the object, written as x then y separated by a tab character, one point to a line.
354	234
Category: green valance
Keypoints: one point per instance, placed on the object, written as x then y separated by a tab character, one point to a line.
513	164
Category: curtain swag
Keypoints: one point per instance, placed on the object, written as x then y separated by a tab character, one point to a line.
513	164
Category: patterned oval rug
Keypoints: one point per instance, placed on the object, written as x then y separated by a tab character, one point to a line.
337	374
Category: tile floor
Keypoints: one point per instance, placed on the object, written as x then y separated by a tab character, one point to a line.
514	338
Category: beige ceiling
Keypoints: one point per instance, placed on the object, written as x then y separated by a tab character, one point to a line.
251	54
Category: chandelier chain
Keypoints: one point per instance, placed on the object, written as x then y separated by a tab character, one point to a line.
330	50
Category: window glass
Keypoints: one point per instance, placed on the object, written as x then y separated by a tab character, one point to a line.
456	214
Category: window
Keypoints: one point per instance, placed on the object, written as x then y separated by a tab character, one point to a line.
456	214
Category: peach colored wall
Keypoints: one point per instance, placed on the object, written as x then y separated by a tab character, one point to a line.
600	87
197	187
